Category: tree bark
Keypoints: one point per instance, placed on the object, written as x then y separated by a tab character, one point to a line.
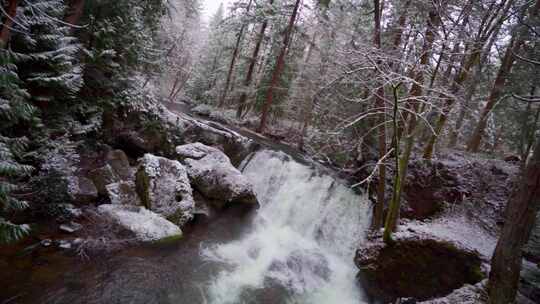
8	23
520	217
279	67
233	60
251	69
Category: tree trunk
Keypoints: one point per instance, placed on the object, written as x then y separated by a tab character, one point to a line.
8	23
520	217
233	60
76	8
377	221
251	69
279	67
498	86
402	160
494	96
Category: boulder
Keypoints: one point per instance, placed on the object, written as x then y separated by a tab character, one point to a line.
102	177
416	266
82	189
163	187
482	186
119	163
123	193
212	174
144	224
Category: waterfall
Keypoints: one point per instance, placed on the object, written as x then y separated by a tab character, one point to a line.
301	246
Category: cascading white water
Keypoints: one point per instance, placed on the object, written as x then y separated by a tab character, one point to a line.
302	240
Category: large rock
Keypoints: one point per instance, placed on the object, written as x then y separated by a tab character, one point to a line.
481	186
416	266
163	187
144	224
82	189
119	163
123	193
212	174
102	177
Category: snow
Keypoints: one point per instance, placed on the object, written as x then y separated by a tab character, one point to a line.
455	228
146	225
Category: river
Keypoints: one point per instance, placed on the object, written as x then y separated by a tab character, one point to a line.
297	247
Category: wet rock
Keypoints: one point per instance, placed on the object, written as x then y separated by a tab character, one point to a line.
163	187
82	189
119	163
145	225
102	177
212	174
71	227
123	193
416	267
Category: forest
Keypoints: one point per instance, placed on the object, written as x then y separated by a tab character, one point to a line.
270	151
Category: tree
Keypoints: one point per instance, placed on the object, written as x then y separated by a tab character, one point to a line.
520	217
8	21
236	50
505	69
252	64
381	121
15	112
280	62
416	91
491	21
49	67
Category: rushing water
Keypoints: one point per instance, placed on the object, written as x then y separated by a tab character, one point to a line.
303	237
297	248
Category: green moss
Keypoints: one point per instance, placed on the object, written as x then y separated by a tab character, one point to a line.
169	239
142	186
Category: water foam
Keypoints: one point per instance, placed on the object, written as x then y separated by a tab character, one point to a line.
302	241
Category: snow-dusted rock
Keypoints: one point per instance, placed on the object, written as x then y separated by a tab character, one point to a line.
145	224
163	187
212	174
123	193
102	177
82	189
119	163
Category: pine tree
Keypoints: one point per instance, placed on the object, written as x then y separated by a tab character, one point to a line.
49	66
14	111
